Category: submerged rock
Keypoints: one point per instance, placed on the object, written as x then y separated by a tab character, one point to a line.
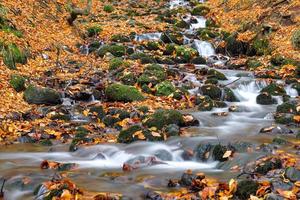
265	99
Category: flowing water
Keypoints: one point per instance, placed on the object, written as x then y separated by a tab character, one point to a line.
100	167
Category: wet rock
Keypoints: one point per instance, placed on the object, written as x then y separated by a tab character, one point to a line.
282	118
273	196
212	73
198	61
274	89
17	82
153	196
203	151
229	95
235	47
219	104
279	184
176	38
246	188
162	118
37	95
218	153
182	24
286	107
279	141
116	50
292	174
276	130
204	103
164	88
212	81
184	54
163	155
214	92
152	74
265	99
119	92
200	10
296	86
186	179
120	38
172	130
144	58
26	139
267	166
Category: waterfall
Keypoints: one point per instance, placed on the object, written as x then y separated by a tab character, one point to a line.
204	48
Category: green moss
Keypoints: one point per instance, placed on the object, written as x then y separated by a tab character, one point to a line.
152	74
229	95
218	153
296	86
185	53
59	116
46	142
37	95
274	89
164	88
182	24
286	107
246	188
212	81
143	109
265	99
152	46
176	38
120	38
261	47
119	92
162	118
235	47
129	79
108	8
145	59
12	55
200	10
98	110
204	103
253	63
283	119
279	141
116	50
93	30
296	39
169	49
109	120
207	34
212	91
17	82
212	73
267	166
115	64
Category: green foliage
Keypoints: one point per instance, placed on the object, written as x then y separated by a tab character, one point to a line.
296	39
164	88
108	8
17	82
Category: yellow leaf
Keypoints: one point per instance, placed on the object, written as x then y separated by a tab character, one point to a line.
66	195
139	135
227	154
155	134
85	112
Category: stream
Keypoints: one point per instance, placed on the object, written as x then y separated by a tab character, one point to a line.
100	166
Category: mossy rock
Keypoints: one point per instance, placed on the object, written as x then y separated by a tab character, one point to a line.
284	118
212	81
185	54
204	103
123	93
152	45
176	38
296	39
211	23
218	152
265	99
219	104
274	89
12	55
207	34
172	130
98	111
115	63
246	188
169	49
120	38
93	31
38	95
162	118
198	60
200	10
109	120
253	63
286	107
261	47
127	135
279	141
229	95
212	73
128	79
182	24
144	58
214	92
116	50
164	88
61	116
17	82
152	74
267	166
46	142
235	47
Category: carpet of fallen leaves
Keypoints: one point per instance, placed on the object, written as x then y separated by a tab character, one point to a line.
232	14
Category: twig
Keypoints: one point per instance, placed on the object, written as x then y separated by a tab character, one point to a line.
2	187
232	82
